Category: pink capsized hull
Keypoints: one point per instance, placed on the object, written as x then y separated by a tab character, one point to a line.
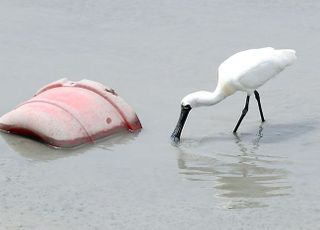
68	114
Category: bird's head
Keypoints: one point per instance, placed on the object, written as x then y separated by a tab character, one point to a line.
192	99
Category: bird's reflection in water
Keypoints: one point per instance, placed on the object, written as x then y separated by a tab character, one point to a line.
242	180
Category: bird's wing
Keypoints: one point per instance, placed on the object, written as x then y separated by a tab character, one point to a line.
252	68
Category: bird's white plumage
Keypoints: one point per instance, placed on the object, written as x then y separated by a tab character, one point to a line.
249	69
244	71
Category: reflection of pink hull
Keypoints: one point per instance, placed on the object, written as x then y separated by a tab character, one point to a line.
67	114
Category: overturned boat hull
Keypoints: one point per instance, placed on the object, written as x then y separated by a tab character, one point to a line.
68	114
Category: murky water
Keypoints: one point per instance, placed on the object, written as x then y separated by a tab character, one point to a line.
153	53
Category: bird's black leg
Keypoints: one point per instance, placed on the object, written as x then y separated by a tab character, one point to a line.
256	94
244	112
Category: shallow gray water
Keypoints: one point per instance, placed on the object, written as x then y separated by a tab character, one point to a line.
153	53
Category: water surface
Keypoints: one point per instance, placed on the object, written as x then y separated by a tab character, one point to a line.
153	53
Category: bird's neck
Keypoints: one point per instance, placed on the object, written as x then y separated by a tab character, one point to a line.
204	98
211	98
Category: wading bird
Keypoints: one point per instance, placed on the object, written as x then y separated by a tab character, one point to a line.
244	71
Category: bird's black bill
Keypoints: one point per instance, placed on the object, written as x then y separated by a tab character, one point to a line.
175	136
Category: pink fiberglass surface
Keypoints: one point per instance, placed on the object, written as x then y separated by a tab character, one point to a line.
67	114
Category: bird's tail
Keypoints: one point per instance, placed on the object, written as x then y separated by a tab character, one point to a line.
288	56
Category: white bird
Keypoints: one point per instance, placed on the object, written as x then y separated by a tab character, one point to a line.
244	71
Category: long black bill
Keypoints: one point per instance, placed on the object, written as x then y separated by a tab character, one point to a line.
175	136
